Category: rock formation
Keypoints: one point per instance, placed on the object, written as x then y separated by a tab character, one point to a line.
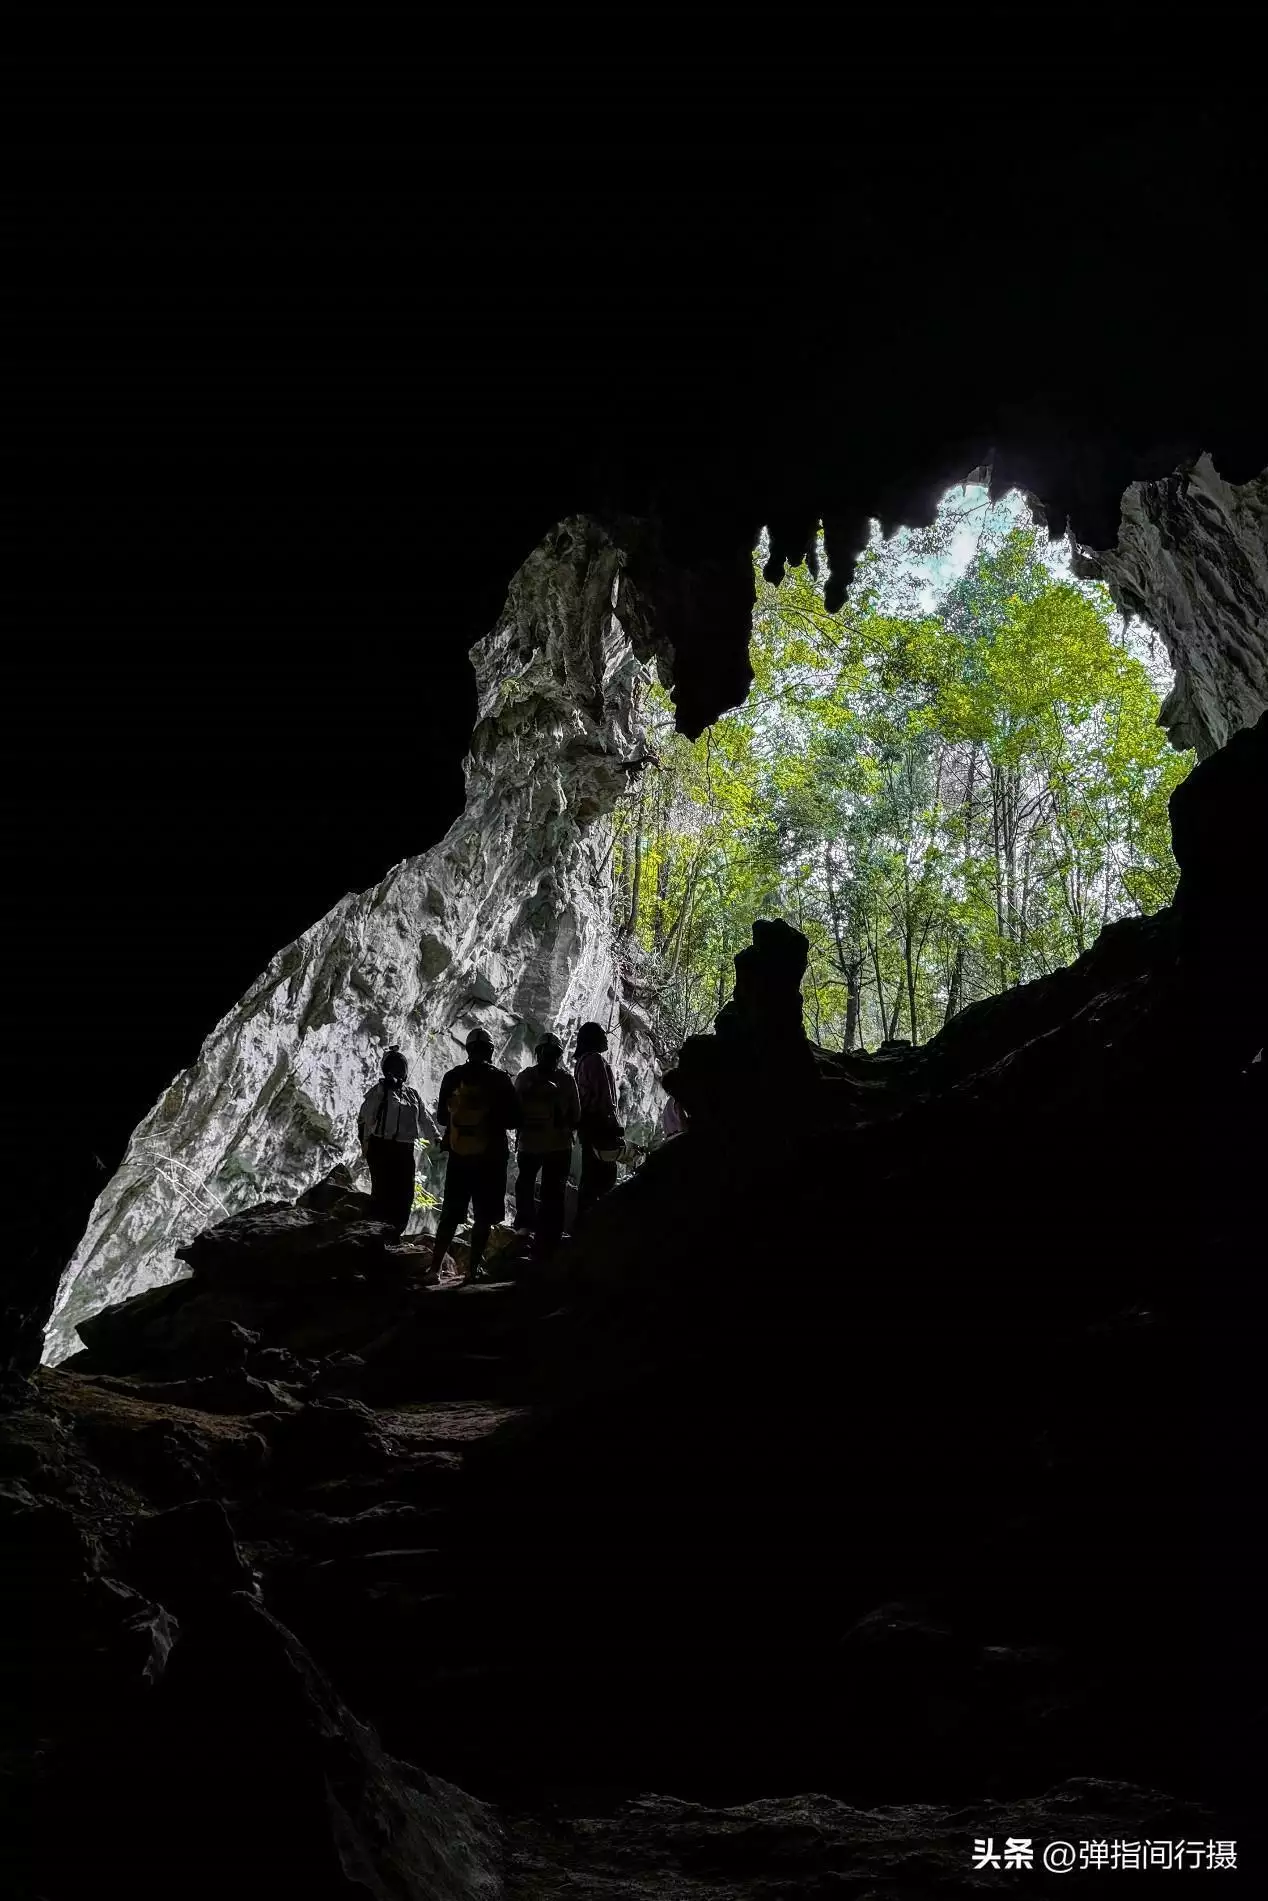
1192	560
506	923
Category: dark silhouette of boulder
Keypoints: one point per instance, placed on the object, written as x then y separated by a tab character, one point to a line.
257	1782
284	1247
337	1194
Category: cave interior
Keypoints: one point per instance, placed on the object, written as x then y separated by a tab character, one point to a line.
725	1563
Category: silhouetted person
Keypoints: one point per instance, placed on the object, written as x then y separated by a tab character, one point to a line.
477	1106
599	1128
389	1124
549	1113
673	1117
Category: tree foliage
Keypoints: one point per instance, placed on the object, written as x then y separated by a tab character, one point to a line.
947	801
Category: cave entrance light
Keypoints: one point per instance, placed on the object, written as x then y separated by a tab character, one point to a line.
951	785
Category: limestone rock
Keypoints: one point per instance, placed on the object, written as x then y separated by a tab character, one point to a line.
656	1845
1192	560
166	1330
336	1194
287	1247
188	1555
759	1052
260	1782
506	924
230	1391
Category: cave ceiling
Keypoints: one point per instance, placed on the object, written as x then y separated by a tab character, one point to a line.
836	309
809	276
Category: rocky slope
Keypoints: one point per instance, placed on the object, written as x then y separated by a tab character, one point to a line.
506	923
1192	560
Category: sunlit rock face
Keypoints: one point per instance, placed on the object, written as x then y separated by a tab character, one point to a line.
506	923
1192	560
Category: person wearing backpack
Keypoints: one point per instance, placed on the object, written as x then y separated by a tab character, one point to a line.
477	1106
388	1125
599	1128
549	1112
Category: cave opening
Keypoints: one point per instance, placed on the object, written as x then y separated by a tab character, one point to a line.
751	1490
951	783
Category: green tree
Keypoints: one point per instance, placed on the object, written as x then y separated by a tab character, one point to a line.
945	801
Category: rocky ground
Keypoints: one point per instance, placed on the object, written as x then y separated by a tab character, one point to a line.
658	1618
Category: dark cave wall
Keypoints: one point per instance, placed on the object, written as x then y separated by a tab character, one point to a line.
1191	559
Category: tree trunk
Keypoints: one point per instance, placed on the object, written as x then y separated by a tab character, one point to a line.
897	1010
625	876
636	894
682	928
955	987
1010	872
998	845
875	949
662	893
968	804
853	984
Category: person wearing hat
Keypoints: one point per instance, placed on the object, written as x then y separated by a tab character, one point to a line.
549	1112
477	1106
600	1131
388	1125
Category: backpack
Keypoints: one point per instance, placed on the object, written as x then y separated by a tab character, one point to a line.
403	1097
540	1107
471	1115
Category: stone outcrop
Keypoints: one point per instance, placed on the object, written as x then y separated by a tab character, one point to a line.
759	1052
812	1845
193	1730
505	924
1192	560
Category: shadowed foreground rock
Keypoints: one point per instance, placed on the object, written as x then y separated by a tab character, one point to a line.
195	1743
811	1845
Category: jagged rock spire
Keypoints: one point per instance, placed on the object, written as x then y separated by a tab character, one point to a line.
1192	560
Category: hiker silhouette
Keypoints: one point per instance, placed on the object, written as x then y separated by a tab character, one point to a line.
477	1106
600	1130
550	1111
388	1125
